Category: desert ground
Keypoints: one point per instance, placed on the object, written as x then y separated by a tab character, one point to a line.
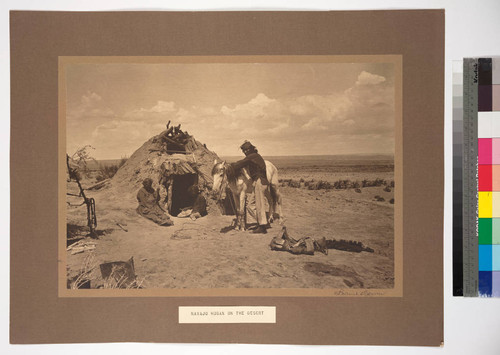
204	254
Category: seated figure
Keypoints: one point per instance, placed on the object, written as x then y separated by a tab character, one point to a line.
199	208
200	203
148	204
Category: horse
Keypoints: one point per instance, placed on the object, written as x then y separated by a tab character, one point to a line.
240	182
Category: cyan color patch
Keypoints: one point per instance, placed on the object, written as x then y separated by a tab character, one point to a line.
485	257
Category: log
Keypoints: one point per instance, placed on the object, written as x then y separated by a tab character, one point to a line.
122	227
81	249
81	243
78	243
171	141
167	132
99	185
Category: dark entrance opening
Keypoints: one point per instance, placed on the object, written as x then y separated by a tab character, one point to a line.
181	197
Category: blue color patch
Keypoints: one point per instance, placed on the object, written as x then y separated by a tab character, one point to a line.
485	284
485	257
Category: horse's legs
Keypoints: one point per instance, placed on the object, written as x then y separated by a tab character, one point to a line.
275	201
276	209
239	199
237	210
270	199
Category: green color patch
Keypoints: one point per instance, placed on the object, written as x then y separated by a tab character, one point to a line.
485	230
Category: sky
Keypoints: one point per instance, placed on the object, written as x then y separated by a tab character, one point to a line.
282	108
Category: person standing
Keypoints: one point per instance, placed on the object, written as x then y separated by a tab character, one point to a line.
256	167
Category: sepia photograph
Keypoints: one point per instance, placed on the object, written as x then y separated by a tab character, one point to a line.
230	176
227	177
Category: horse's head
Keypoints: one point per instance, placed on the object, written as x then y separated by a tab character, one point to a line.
218	171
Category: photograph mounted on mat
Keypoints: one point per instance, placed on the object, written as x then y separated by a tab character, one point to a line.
234	176
277	171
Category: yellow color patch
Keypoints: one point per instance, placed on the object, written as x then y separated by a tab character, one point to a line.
485	204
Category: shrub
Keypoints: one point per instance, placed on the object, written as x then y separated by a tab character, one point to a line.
108	171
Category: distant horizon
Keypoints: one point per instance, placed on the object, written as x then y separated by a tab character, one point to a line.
291	155
316	155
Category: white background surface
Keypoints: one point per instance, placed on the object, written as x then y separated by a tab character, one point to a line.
471	326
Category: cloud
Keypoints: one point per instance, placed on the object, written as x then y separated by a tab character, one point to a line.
90	98
279	128
162	107
161	111
365	78
91	106
257	106
261	100
82	118
364	113
125	133
314	123
368	106
359	119
122	137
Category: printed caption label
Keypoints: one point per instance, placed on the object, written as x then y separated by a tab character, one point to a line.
227	314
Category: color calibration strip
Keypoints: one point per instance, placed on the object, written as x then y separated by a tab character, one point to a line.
481	180
488	144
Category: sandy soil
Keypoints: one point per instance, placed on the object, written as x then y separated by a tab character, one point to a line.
197	254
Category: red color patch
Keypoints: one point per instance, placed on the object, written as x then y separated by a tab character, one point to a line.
484	178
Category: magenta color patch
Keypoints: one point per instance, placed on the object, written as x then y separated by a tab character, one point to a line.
495	151
484	150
